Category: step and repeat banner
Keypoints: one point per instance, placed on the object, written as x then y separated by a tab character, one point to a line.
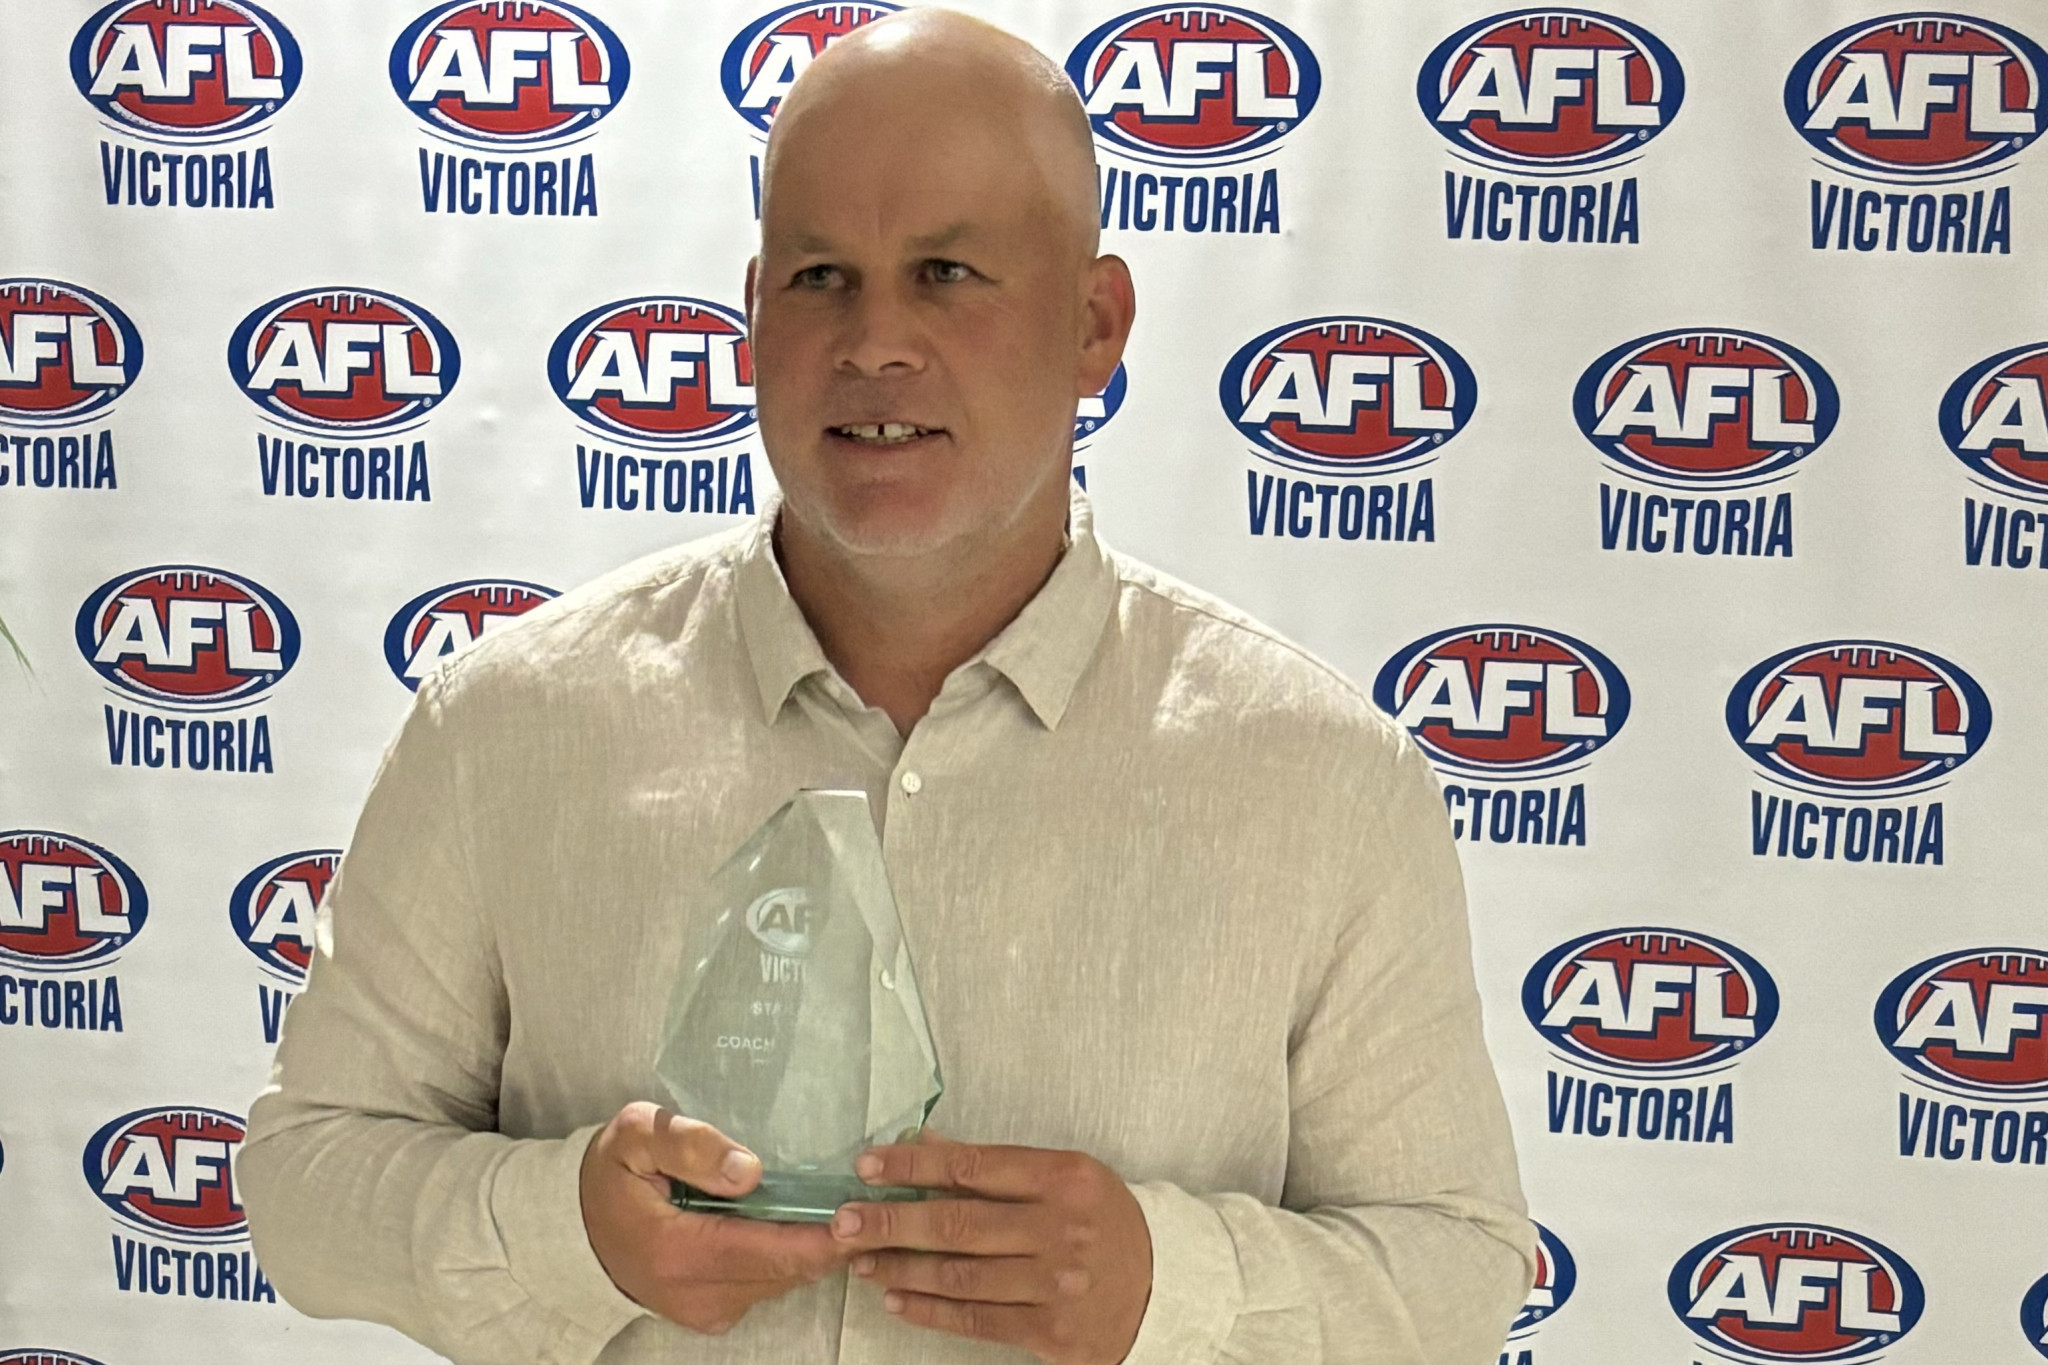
1644	405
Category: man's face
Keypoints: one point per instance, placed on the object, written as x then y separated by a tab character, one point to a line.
916	326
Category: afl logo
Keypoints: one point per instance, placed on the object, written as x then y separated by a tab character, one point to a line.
1504	701
65	903
1995	421
1923	96
1713	408
36	1355
1972	1021
785	921
272	909
514	77
763	62
1198	85
1552	89
1653	1003
1347	395
1795	1291
659	370
343	361
1091	415
65	352
1556	1276
180	635
190	71
1858	717
443	622
170	1172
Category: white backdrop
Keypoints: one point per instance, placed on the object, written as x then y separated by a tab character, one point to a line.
1645	404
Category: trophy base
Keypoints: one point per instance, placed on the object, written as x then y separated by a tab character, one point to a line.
786	1197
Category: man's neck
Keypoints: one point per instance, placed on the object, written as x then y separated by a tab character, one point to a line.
895	627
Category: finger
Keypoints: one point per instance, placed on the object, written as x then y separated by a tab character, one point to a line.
693	1152
989	1279
975	1227
748	1251
1013	1323
991	1171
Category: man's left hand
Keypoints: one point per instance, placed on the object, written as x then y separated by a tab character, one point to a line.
1040	1249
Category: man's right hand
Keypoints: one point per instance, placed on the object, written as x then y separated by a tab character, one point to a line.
700	1270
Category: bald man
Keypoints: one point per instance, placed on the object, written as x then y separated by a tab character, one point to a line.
1184	907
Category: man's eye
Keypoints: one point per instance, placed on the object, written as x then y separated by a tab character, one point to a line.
947	272
815	277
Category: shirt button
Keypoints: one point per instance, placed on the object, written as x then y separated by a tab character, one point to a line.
912	784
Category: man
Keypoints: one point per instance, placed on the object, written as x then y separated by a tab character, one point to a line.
1184	908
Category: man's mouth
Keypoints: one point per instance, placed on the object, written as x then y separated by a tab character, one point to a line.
882	433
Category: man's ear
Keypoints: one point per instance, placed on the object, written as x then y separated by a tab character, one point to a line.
753	273
1108	307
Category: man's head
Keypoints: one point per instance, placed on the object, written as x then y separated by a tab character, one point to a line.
928	307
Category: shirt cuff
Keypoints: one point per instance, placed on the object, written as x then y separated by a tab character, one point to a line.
537	1203
1197	1289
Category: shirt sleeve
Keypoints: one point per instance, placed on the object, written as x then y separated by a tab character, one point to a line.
1401	1238
375	1183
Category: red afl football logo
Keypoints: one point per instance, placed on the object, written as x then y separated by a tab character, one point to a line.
185	70
509	74
170	1172
1922	96
1194	84
65	903
1652	1003
1504	701
65	352
1972	1022
659	370
443	622
1347	395
185	636
273	908
1550	90
343	360
1705	407
1858	717
764	60
1795	1292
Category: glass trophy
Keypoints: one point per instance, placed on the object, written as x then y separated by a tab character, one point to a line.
795	1024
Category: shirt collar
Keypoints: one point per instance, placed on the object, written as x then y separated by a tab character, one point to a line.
1043	652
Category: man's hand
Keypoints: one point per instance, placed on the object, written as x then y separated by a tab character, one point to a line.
1040	1249
702	1271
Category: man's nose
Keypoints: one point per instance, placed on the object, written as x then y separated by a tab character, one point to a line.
884	337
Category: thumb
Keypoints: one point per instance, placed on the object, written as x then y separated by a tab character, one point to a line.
695	1153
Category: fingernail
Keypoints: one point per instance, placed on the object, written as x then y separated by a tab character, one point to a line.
738	1165
893	1301
867	1165
845	1223
864	1265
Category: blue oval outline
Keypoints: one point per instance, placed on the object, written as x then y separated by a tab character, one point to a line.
240	900
1735	713
85	630
106	950
1586	412
131	343
729	75
575	130
1796	112
1619	700
1764	1015
394	630
416	410
1113	138
1887	1009
1421	451
735	428
96	1145
1914	1293
291	69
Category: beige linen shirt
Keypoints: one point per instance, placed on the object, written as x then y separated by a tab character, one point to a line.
1177	896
